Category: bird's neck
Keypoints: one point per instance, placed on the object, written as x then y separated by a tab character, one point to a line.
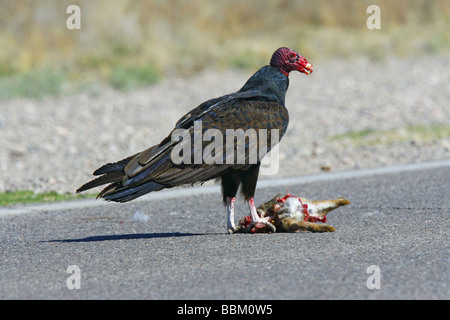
270	83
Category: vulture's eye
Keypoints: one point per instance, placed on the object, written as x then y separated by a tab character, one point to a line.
293	56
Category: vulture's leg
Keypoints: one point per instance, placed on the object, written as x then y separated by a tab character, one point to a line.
230	185
249	178
231	226
254	213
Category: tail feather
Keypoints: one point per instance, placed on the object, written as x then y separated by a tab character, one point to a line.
110	172
107	178
113	167
114	174
116	192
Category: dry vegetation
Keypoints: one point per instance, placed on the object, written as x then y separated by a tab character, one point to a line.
131	42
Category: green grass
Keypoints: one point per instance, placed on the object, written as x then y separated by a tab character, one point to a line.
416	133
27	196
129	77
35	83
41	82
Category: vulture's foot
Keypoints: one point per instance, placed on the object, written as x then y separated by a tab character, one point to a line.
246	225
263	226
232	230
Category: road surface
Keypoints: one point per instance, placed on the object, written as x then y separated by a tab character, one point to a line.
391	242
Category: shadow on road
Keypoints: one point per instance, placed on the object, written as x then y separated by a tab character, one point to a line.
133	236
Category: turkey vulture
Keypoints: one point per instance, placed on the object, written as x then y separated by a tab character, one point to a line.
258	105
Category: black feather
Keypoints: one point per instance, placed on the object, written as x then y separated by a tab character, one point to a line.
107	178
113	167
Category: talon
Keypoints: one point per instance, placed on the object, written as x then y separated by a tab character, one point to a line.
258	227
271	226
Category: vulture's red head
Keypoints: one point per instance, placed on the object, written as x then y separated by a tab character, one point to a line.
288	60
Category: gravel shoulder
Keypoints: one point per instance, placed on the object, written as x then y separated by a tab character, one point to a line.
56	143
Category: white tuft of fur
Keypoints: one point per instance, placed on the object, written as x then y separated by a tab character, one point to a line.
295	208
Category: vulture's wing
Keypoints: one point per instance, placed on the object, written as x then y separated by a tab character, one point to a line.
153	169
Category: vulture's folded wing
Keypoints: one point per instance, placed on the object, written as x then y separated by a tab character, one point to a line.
154	169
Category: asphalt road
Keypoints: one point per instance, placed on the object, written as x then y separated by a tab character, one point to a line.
174	245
